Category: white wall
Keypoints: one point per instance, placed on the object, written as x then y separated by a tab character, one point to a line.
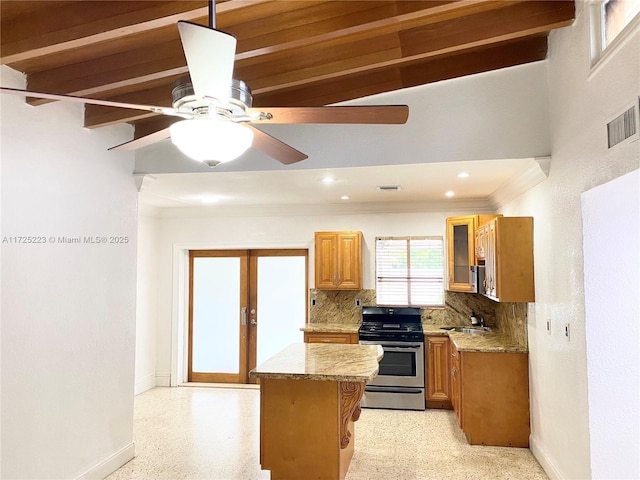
579	109
612	308
147	302
68	310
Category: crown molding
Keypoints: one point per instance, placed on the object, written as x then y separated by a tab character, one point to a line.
517	185
449	206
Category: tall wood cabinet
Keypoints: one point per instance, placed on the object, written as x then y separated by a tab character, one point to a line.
490	395
438	376
505	246
338	260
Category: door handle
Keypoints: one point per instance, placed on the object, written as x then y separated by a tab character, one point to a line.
244	316
253	321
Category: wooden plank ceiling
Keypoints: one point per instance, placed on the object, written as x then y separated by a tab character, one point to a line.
291	53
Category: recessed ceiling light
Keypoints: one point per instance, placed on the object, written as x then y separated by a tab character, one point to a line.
328	180
449	194
344	197
463	175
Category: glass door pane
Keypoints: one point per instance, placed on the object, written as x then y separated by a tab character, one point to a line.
281	303
216	307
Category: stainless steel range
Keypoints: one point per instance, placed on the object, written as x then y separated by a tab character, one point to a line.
400	381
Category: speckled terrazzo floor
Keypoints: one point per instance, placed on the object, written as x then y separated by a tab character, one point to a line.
213	433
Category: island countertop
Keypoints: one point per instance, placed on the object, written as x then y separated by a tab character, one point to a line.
327	362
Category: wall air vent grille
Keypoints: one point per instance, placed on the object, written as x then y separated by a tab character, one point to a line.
389	188
622	127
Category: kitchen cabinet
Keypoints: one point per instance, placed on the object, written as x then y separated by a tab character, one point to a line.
330	337
490	395
505	246
338	260
438	391
461	250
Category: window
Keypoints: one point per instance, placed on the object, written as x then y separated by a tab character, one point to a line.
409	271
609	20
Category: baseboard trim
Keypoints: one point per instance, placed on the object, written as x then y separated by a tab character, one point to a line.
110	464
145	383
163	380
543	459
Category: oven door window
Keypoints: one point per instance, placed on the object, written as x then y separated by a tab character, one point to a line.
400	364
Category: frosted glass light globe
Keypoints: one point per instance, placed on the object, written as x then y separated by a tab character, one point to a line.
211	139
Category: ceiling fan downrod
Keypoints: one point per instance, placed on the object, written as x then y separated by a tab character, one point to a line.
212	14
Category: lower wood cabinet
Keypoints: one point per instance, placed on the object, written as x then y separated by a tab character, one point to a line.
330	337
437	368
490	395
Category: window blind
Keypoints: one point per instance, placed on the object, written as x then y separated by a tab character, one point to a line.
410	271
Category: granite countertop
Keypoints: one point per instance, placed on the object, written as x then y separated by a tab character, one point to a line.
474	342
464	342
320	361
330	328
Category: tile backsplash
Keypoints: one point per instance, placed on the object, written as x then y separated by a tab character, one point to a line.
339	306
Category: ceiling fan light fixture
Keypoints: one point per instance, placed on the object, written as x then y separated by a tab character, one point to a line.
211	139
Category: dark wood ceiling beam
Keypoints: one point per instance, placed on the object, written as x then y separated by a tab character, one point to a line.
279	71
431	70
83	24
404	18
101	22
113	73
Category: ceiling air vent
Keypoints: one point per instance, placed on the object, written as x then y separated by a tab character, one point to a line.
623	126
389	188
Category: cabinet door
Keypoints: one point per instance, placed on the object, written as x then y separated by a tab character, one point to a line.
349	260
490	259
456	390
438	370
480	246
325	261
460	252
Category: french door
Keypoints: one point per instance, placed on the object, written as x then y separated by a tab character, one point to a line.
244	306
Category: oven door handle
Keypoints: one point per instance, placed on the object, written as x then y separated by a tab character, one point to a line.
398	348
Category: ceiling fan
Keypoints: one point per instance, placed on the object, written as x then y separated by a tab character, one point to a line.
216	109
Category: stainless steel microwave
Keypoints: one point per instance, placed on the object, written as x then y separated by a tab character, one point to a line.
477	278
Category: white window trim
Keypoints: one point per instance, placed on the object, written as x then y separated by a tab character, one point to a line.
599	55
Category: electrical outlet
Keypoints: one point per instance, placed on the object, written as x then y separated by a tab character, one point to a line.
313	302
358	302
549	326
567	331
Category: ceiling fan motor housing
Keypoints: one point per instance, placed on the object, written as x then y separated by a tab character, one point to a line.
184	96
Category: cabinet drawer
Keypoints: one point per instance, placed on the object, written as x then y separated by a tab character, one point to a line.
330	337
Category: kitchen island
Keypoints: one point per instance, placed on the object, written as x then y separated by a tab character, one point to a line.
309	400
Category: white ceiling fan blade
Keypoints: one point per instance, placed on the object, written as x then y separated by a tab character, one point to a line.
210	56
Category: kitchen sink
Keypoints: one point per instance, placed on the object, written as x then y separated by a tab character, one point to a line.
475	330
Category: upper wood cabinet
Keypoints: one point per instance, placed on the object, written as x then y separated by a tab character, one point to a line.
338	260
461	250
506	246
